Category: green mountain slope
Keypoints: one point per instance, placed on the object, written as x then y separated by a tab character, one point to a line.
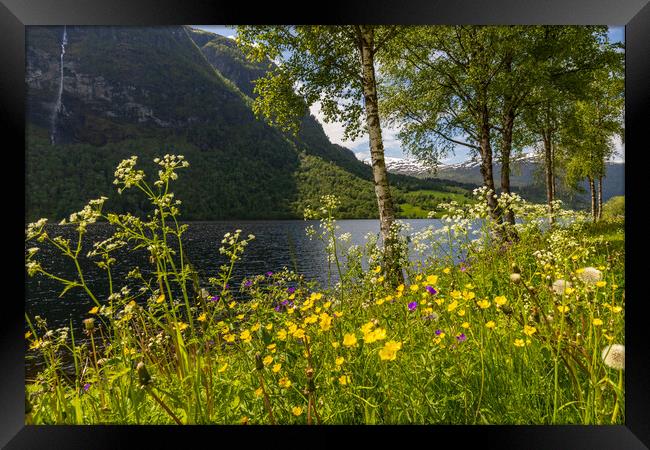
151	91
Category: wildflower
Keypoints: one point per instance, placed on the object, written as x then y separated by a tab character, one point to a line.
519	343
244	420
268	359
222	368
299	333
461	337
452	306
529	331
248	283
276	368
202	318
412	306
483	304
601	284
271	347
446	270
232	304
616	309
229	337
432	279
94	310
258	392
614	356
560	286
340	360
438	332
325	322
490	324
418	278
284	382
89	324
389	351
597	322
213	299
376	335
515	277
500	300
291	290
377	269
367	327
86	387
463	267
563	308
269	273
344	379
245	336
461	312
465	325
431	290
349	340
414	287
590	275
336	344
296	411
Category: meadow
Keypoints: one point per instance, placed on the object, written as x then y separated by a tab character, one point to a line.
524	331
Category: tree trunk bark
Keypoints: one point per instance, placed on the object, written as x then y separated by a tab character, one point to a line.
506	149
382	189
487	172
592	190
600	197
550	183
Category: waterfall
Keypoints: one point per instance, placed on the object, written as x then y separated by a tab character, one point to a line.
58	105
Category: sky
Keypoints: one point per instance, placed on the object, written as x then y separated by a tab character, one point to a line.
392	147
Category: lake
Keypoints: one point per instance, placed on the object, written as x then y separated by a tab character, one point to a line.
278	244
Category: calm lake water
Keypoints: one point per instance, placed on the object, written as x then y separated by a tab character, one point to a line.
278	244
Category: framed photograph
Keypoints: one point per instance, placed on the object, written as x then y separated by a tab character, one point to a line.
412	214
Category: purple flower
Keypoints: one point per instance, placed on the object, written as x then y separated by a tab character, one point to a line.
463	267
86	387
461	337
291	290
215	298
278	308
285	302
269	273
413	306
438	332
431	290
227	287
248	283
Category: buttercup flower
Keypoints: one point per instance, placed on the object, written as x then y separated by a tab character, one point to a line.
389	351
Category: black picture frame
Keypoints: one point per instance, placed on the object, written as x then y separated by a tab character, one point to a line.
634	14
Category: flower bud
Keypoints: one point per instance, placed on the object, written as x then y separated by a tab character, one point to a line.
515	277
89	324
259	364
143	374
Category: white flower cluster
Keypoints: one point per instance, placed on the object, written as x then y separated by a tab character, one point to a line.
232	246
169	164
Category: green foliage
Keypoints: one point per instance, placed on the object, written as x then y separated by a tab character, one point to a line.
614	207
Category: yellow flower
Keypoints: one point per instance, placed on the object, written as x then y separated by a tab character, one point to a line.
344	379
597	322
569	291
240	316
418	277
617	309
529	331
282	335
439	301
202	318
601	283
268	359
255	305
432	279
256	327
338	313
223	368
327	305
380	279
161	298
452	306
311	319
563	308
276	368
349	340
377	269
229	337
231	305
500	300
483	304
299	334
579	271
340	360
465	325
446	270
400	288
325	322
94	310
296	411
461	312
377	335
491	324
336	344
245	336
380	301
269	326
182	326
389	351
243	420
468	295
414	287
519	343
367	327
258	392
455	294
271	346
292	296
28	335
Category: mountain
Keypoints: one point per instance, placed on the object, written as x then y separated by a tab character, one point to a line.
526	177
97	95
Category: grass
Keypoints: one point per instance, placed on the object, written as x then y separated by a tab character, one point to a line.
488	341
